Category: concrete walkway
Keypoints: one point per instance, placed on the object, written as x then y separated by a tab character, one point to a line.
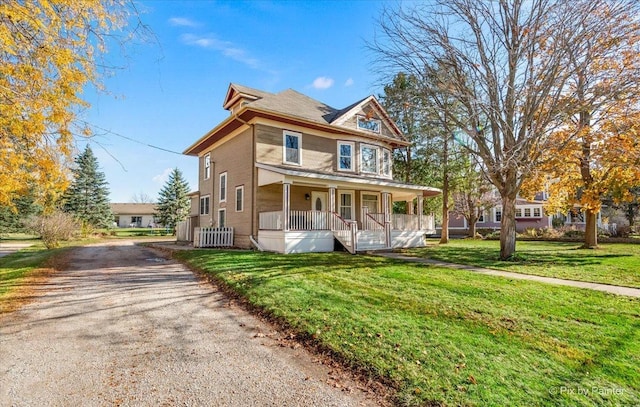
613	289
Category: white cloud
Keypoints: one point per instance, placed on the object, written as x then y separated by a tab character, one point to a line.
322	82
183	22
349	82
162	178
227	48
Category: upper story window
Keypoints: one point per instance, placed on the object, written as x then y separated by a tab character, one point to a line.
498	215
223	187
537	213
291	147
481	217
367	124
369	158
207	166
386	162
345	155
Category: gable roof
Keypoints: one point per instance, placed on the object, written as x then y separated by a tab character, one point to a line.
293	107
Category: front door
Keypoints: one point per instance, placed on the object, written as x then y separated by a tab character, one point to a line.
319	201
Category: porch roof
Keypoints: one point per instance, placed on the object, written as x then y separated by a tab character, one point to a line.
270	174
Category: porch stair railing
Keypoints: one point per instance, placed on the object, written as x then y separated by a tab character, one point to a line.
345	232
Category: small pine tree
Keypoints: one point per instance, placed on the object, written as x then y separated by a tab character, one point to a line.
88	196
173	202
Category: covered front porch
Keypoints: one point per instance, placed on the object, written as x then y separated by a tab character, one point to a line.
301	211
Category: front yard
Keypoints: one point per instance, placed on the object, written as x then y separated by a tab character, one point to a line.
611	263
448	337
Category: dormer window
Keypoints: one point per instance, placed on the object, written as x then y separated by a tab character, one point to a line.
369	124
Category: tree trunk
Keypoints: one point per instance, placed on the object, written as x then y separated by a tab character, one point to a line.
508	227
590	230
472	226
444	236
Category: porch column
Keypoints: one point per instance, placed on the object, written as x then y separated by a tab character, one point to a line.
332	199
409	205
286	207
387	218
420	210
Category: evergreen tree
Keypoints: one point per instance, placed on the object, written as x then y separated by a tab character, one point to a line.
173	202
88	196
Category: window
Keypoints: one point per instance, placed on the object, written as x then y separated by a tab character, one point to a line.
368	124
345	156
136	221
291	147
204	205
481	217
239	198
537	213
518	212
369	158
345	207
223	187
386	162
498	215
207	166
222	218
527	212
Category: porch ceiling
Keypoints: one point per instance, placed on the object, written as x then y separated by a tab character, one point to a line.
269	174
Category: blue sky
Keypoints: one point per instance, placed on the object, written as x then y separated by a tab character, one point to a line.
170	90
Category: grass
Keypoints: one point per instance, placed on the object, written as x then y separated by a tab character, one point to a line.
18	269
612	263
448	337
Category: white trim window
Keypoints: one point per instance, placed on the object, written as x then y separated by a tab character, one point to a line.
498	215
518	212
480	217
369	158
386	162
240	198
222	187
368	124
291	147
207	166
222	218
345	155
537	213
205	204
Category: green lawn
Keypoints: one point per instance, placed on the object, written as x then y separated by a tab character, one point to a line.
611	263
448	337
15	267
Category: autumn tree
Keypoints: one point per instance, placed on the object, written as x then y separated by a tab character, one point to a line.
173	203
596	151
87	198
504	63
49	51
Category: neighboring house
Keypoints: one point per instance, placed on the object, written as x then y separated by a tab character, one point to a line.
134	215
529	214
292	174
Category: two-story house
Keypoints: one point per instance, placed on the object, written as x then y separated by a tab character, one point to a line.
292	174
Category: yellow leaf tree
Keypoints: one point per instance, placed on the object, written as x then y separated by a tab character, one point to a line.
596	150
48	53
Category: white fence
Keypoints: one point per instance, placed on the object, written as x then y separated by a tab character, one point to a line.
213	237
298	220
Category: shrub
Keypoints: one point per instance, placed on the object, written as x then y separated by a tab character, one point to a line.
574	233
623	231
550	233
53	228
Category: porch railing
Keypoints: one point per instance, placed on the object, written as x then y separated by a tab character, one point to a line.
321	220
298	220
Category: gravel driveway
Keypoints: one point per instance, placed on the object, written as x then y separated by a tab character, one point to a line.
122	326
